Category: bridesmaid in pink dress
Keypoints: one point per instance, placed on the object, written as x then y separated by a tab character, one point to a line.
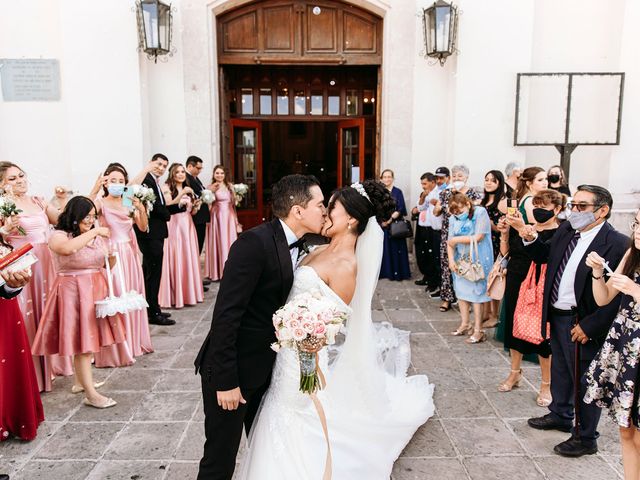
69	325
113	215
35	221
223	229
181	282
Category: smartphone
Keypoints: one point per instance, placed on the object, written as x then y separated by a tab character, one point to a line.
512	206
127	197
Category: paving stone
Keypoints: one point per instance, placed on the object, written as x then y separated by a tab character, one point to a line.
167	406
536	442
453	378
192	443
587	467
516	404
59	403
482	437
379	316
462	404
152	441
430	440
182	380
479	357
133	379
406	316
14	449
616	462
491	468
79	440
168	342
183	360
47	470
155	360
428	468
117	470
183	470
488	379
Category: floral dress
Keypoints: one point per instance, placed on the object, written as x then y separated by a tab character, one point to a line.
446	286
613	374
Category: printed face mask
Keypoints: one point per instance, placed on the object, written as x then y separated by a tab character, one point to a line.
581	220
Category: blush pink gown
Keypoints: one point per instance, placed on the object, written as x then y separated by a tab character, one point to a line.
123	240
221	233
34	295
69	325
181	282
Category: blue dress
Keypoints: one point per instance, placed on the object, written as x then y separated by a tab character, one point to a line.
395	257
474	292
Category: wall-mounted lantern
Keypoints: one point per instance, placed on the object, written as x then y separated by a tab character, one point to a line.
155	20
440	25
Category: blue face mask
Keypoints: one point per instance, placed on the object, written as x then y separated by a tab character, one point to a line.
462	217
116	189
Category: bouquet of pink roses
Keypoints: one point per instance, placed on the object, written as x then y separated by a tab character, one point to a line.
307	323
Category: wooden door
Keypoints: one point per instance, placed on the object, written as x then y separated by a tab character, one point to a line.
246	167
350	151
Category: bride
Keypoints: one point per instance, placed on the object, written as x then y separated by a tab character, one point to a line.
372	408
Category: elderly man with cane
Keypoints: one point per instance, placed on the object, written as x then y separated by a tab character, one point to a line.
578	325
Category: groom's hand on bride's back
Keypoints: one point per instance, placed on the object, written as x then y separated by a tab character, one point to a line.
230	399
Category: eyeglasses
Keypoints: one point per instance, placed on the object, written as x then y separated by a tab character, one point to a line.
90	218
581	207
634	225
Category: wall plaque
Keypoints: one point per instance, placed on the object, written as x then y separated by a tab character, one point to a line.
30	80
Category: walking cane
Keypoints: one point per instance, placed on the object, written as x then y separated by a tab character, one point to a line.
576	388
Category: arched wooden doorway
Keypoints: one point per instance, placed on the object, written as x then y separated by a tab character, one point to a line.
300	93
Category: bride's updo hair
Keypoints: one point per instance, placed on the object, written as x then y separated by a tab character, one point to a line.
380	203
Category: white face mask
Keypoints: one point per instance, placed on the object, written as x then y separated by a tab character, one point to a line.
458	185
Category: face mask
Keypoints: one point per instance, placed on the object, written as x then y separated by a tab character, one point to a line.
542	215
116	189
462	217
581	220
457	185
553	178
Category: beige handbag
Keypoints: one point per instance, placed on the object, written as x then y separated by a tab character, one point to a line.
497	278
468	267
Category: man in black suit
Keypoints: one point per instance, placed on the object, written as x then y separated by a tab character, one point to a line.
200	219
151	242
569	306
235	361
14	282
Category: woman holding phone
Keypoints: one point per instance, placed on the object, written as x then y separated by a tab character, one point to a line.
115	213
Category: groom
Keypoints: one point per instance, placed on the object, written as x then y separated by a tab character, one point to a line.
235	361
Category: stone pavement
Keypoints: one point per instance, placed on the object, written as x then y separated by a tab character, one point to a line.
155	431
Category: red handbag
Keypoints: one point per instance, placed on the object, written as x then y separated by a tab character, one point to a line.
527	318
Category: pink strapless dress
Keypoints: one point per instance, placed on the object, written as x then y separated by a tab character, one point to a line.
181	282
69	325
34	295
138	338
221	233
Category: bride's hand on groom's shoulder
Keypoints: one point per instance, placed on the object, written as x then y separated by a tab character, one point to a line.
230	399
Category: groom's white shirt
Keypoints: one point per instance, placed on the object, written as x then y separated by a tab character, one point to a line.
291	238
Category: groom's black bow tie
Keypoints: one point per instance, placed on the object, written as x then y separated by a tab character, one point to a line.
297	244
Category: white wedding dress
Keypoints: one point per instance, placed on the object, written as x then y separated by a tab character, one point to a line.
372	408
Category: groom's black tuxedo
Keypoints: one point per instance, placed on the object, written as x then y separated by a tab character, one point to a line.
257	278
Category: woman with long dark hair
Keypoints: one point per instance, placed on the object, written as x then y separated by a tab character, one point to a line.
69	325
181	282
558	180
223	229
612	378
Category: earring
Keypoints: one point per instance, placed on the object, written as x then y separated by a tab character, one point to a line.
348	226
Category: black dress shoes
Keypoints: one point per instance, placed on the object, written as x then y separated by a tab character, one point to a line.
433	293
206	282
574	447
165	315
422	282
4	476
547	422
206	289
161	320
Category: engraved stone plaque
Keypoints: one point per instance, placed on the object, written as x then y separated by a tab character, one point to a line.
30	80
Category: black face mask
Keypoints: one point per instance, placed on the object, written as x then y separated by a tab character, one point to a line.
543	215
553	178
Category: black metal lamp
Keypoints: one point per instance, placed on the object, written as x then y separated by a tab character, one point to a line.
155	20
440	24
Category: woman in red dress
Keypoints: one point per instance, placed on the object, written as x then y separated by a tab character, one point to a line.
20	406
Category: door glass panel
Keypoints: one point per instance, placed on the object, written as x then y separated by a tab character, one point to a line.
283	102
265	101
333	103
247	101
352	102
350	155
245	164
299	103
316	103
368	103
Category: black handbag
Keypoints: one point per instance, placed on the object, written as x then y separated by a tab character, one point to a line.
401	228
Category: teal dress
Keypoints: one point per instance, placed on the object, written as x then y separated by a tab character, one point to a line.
474	292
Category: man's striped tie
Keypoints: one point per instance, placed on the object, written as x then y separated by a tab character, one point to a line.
565	259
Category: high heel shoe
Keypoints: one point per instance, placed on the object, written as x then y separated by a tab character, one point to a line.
468	330
477	339
506	386
80	388
544	400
